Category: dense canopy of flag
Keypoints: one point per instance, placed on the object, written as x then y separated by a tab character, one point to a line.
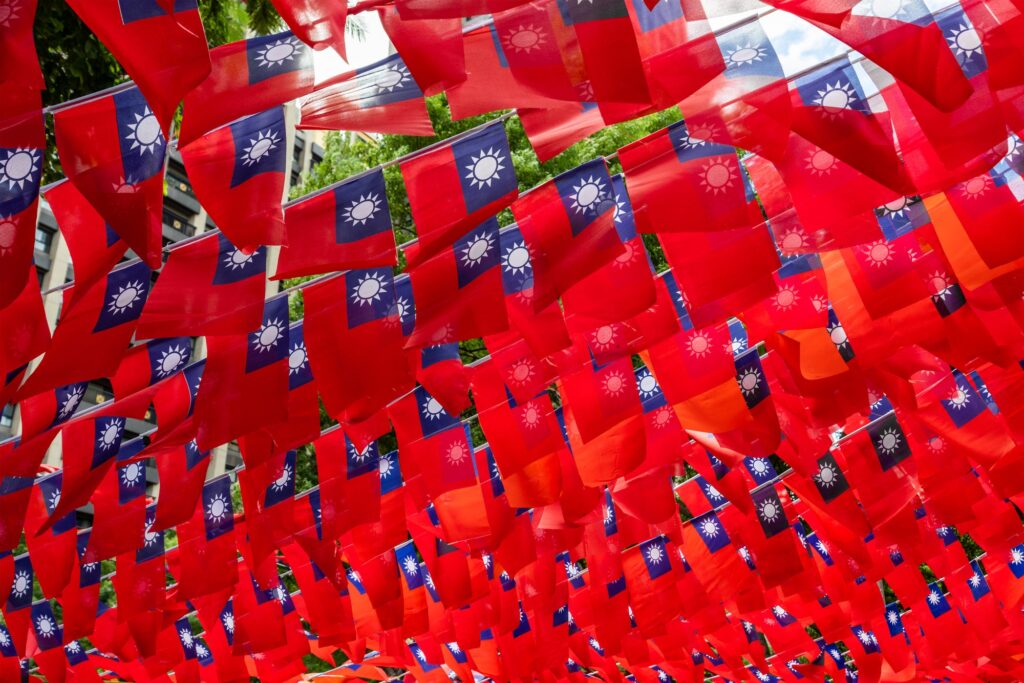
794	453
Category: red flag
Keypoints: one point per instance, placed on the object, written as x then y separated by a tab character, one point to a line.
554	129
345	226
21	144
26	335
208	286
458	292
237	173
207	546
162	46
431	48
354	336
94	333
377	98
245	369
21	64
95	247
113	150
147	365
318	23
248	76
52	546
457	185
569	227
186	467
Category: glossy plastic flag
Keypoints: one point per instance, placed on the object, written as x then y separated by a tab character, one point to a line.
21	145
161	45
344	226
207	286
381	97
318	23
112	149
248	76
93	334
237	172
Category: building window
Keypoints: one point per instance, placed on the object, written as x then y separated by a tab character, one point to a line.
44	239
7	416
179	220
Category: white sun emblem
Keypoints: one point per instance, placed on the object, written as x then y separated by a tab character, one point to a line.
699	345
278	52
976	186
879	254
786	298
393	77
655	554
759	466
619	211
268	335
820	162
713	493
975	580
110	435
228	620
964	40
457	453
603	338
889	441
361	210
822	548
520	371
893	617
959	400
18	165
8	235
525	38
934	598
201	651
384	467
22	584
588	195
516	259
297	359
432	409
144	133
284	479
8	12
709	528
359	456
73	647
827	476
54	500
45	626
71	401
484	167
186	637
769	510
749	381
838	335
793	240
939	283
170	360
834	98
613	383
125	297
608	515
410	566
368	289
647	385
131	474
531	415
477	248
238	259
149	536
217	508
742	55
698	135
717	175
260	147
1016	556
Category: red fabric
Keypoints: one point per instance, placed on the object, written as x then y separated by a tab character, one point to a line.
163	49
318	23
431	48
22	139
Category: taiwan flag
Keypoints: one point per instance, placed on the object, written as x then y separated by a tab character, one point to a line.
95	247
568	224
378	98
684	164
342	227
186	466
147	365
112	149
93	334
354	335
20	67
440	9
160	43
432	49
26	335
650	575
209	558
318	23
22	143
237	173
458	292
248	76
457	185
207	286
245	369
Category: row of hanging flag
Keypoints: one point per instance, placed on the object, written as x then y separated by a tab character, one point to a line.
857	275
